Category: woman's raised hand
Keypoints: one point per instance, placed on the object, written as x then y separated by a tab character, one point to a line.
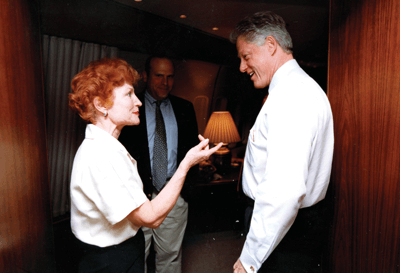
200	152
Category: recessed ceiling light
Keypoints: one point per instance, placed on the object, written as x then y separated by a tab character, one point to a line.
214	28
138	0
183	16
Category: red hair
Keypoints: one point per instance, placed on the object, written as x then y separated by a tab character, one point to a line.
99	79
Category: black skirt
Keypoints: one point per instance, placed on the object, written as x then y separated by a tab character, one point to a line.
126	257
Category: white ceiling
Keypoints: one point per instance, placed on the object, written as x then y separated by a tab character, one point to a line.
307	20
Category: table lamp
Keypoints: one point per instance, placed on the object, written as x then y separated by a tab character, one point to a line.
222	128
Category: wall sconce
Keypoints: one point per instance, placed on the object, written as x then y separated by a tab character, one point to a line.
222	128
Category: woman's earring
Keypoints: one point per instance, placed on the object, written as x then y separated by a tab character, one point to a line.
105	114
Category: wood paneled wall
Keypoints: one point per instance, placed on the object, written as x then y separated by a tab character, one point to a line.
364	91
25	220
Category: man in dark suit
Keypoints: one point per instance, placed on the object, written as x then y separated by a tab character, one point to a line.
179	121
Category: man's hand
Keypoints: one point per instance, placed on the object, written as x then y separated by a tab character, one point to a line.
238	267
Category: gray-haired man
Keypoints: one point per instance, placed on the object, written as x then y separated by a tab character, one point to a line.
289	153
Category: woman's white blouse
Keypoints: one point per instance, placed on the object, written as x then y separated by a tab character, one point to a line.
105	188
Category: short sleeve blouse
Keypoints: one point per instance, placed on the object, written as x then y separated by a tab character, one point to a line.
105	188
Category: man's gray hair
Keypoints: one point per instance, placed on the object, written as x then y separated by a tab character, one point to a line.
260	25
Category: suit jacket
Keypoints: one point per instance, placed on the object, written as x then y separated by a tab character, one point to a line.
135	140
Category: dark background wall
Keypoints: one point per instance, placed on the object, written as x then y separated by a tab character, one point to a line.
110	23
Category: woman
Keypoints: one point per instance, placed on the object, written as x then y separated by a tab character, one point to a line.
108	205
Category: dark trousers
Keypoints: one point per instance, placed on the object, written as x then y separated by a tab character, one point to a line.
126	257
301	249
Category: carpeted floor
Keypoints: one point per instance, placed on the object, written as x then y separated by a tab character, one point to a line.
211	252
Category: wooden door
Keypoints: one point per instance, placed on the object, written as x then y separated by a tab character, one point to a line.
364	91
25	220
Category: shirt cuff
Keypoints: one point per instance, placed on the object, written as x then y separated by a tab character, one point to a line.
249	264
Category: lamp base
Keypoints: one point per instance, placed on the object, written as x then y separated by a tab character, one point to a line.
222	159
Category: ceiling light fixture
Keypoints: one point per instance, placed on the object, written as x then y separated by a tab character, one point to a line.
138	0
183	16
214	28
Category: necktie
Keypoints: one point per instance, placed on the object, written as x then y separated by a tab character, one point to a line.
160	151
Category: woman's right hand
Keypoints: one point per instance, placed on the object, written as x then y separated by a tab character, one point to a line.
199	152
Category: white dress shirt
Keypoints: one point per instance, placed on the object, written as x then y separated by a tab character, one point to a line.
288	159
105	188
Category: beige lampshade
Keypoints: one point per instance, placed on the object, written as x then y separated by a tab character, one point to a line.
221	128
